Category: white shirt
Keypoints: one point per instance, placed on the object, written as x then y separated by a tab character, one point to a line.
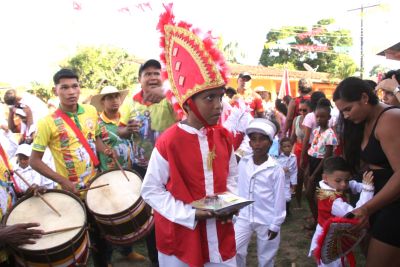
32	177
265	184
8	143
38	107
289	162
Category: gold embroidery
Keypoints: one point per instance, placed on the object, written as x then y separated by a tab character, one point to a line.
200	57
326	193
210	158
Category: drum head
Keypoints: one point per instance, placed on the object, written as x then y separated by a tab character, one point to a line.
33	209
118	196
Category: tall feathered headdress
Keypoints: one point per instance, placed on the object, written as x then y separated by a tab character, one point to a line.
192	65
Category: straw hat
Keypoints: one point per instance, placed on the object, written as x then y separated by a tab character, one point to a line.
96	99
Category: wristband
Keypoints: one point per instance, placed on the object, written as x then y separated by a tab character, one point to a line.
396	90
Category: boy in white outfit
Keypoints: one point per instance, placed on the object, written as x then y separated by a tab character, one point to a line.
287	160
31	176
260	179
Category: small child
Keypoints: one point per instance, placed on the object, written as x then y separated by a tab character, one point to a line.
23	154
260	179
322	147
287	160
331	198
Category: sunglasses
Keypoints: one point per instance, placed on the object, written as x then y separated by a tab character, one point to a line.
303	110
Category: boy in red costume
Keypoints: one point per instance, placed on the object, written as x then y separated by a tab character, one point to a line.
193	158
331	196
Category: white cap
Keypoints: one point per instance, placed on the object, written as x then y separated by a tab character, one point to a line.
24	149
263	126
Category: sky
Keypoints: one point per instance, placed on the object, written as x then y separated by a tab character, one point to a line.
37	34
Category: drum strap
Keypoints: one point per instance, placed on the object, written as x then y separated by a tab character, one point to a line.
5	160
79	135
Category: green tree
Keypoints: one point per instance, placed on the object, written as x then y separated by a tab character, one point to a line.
288	36
101	66
344	67
42	91
231	52
375	70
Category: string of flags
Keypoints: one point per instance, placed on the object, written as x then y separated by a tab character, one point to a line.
143	6
291	43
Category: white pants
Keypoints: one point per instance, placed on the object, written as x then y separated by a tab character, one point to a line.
266	249
172	261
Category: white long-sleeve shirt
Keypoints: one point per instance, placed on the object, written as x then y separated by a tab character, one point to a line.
32	177
290	163
265	184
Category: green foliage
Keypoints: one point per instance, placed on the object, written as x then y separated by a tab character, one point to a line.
231	52
42	91
101	66
343	67
289	66
378	69
289	35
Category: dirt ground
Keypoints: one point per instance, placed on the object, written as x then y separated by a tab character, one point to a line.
293	251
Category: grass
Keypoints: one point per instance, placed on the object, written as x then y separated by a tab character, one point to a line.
293	250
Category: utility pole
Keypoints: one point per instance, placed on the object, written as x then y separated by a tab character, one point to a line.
362	8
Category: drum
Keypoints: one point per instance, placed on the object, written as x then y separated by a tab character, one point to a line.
118	208
59	249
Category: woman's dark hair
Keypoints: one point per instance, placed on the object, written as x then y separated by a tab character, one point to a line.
315	97
286	99
350	90
281	107
390	73
325	104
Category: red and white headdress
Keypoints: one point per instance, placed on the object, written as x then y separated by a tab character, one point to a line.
193	64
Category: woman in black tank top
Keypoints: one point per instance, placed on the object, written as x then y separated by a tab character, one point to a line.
371	134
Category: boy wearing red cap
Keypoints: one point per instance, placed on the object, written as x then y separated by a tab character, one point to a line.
193	158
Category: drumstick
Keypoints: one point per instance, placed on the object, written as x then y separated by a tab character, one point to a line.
120	167
61	230
38	194
94	187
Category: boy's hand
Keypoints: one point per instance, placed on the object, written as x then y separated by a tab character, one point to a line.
226	217
368	178
272	235
286	169
203	215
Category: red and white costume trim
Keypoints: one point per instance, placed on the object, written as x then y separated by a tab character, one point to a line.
178	175
336	206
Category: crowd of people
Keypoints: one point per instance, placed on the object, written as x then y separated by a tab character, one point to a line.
199	138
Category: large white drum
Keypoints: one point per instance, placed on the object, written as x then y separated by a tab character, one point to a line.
67	248
118	208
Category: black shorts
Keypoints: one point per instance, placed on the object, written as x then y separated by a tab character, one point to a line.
385	223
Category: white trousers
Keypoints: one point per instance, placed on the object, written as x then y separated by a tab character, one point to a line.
172	261
266	249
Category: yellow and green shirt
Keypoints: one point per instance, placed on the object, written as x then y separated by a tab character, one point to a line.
154	118
71	159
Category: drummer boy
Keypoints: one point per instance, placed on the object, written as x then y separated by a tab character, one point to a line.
74	154
193	158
